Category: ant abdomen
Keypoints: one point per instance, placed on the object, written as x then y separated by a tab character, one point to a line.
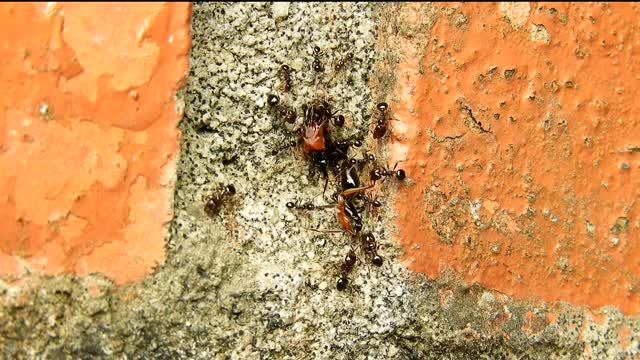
214	202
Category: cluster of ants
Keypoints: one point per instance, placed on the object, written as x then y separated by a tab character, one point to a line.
329	155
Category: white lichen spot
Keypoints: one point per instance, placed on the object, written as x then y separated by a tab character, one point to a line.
516	12
474	207
280	10
539	33
44	110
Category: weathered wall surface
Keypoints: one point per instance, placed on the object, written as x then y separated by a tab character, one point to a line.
252	282
518	124
88	138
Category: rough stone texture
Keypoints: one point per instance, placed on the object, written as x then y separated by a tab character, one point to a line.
251	283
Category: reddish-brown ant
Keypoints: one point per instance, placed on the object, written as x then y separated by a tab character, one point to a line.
346	267
214	202
342	62
283	111
285	76
381	124
313	136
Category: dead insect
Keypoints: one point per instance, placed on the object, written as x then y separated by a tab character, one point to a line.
215	201
347	214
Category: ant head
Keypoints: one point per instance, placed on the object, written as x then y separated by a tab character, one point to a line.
230	189
291	205
376	174
382	107
273	100
369	238
285	68
342	283
290	116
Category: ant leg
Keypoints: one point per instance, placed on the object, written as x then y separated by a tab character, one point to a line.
324	231
291	143
326	182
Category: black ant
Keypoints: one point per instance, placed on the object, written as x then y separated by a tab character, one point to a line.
285	75
371	247
381	124
214	202
380	172
283	111
317	65
371	203
346	267
308	206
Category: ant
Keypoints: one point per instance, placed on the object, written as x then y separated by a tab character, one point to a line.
317	65
214	202
308	206
371	247
381	124
342	62
380	172
346	267
371	203
283	111
285	76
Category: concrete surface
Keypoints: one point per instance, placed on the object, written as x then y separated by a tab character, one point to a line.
251	283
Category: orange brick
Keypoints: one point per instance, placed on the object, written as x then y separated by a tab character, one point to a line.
88	136
558	135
